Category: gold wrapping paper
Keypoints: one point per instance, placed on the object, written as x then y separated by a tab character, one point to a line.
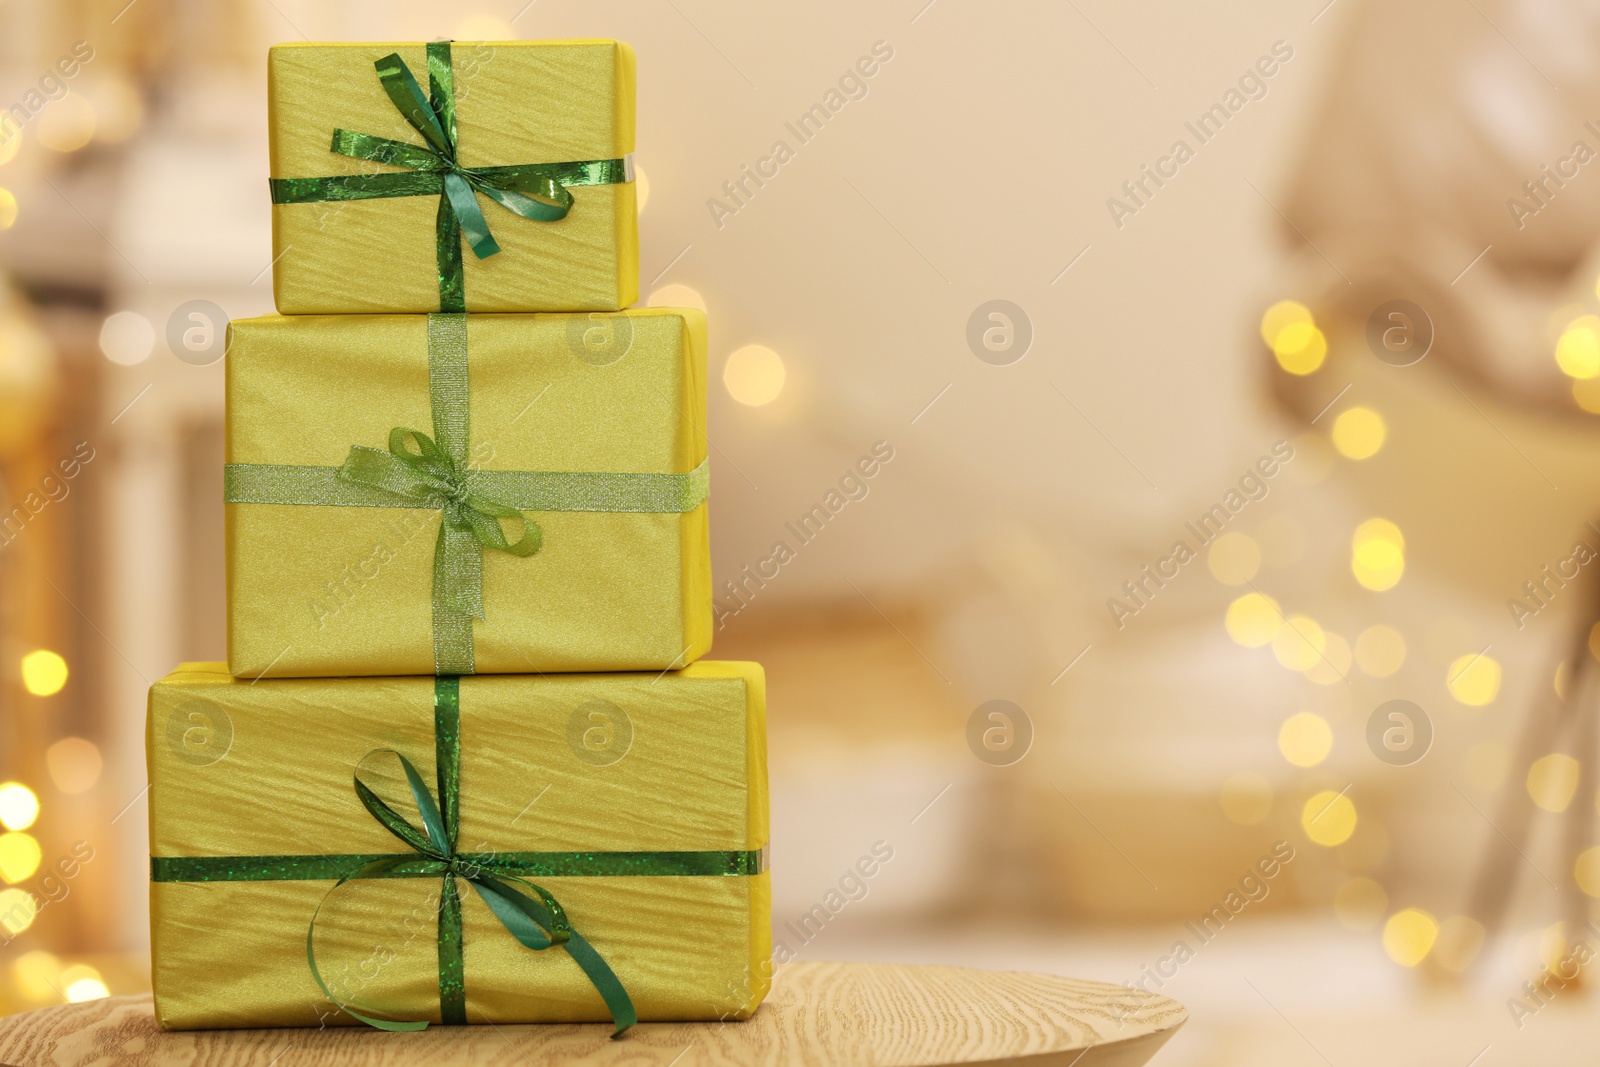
316	590
518	102
265	769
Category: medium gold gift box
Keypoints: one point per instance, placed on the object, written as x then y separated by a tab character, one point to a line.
638	802
590	427
360	207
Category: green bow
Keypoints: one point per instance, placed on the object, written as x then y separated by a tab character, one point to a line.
431	478
535	191
537	921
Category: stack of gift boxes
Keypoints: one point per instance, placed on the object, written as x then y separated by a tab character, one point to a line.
464	763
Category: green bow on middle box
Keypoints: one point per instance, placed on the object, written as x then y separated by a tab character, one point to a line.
450	494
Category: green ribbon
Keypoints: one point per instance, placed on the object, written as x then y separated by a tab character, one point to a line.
533	917
535	191
420	471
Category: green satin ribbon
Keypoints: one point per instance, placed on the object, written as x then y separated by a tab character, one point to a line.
534	918
535	191
473	503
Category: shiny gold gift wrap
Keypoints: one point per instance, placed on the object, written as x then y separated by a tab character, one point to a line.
517	103
590	763
319	590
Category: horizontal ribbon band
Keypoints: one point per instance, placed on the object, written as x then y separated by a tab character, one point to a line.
409	865
335	187
273	483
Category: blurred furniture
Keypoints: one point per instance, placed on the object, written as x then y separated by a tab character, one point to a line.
830	1013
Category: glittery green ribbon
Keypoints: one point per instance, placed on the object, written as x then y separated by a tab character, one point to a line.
530	913
473	503
535	191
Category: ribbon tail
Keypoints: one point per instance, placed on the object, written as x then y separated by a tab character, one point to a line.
529	207
452	961
394	1026
605	981
473	225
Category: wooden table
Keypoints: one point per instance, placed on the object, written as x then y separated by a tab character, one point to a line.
818	1013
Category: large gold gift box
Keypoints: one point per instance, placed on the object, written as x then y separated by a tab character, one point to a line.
254	814
516	103
593	425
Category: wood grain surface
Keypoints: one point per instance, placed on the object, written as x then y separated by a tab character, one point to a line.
818	1013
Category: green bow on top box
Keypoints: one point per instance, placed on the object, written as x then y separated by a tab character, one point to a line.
453	176
459	494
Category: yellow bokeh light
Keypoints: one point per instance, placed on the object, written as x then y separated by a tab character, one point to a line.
74	765
754	375
1329	818
1246	798
676	295
18	806
1474	680
1409	935
1280	316
1378	554
43	672
641	188
1578	350
1333	666
1300	348
1378	530
1253	620
1380	651
1300	643
1552	780
1360	903
1359	433
67	124
82	982
1460	938
1305	739
19	857
37	975
1586	871
1234	558
17	909
8	209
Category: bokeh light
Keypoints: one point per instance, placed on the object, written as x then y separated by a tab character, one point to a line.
1380	651
81	982
20	856
126	338
1474	680
67	124
1460	938
1586	393
1234	558
17	909
1360	904
1578	349
1246	798
1586	871
8	209
676	295
1281	316
1378	554
1253	620
754	375
1333	666
44	673
1300	643
37	975
74	765
1409	935
19	806
1329	818
1300	348
1552	780
1359	433
1305	739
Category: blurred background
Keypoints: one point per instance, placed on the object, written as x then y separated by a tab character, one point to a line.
1234	374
